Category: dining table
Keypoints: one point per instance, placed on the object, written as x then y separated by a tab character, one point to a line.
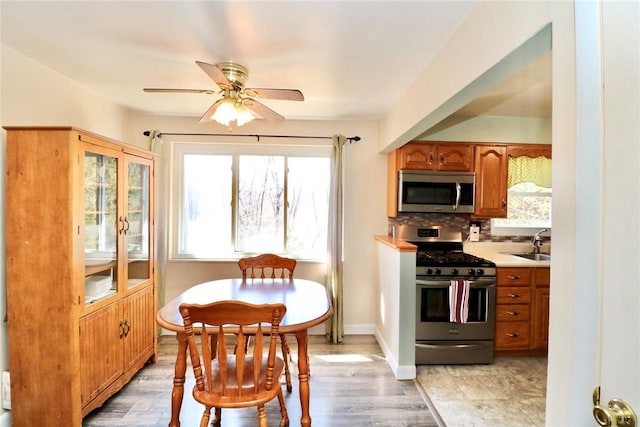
308	304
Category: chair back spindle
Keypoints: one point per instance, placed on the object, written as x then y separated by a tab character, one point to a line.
261	265
232	378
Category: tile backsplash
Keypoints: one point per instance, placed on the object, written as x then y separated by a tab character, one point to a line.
452	220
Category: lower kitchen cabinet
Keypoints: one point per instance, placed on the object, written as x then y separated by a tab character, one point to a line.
522	311
540	325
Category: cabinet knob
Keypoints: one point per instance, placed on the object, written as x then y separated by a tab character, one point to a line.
513	334
513	313
513	277
513	295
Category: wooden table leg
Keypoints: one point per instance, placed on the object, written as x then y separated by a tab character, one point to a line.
303	376
178	380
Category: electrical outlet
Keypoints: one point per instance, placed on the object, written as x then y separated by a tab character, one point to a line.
474	233
6	390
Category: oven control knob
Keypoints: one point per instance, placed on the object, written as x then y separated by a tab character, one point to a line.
429	271
438	271
480	272
472	272
454	271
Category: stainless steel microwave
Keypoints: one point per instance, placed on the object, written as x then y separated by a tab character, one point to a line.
441	192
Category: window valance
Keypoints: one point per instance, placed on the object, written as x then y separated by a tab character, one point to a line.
526	169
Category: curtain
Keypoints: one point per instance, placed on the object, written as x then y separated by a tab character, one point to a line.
161	218
335	326
526	169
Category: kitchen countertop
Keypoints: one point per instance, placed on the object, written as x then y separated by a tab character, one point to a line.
499	253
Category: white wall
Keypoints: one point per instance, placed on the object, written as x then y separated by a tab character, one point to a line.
35	95
365	201
5	417
495	30
526	130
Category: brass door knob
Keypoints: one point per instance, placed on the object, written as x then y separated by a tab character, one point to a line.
616	413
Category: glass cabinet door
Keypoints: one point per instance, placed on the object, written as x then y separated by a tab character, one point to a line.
100	225
138	221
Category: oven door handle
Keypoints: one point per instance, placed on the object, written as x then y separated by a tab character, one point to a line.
441	346
447	283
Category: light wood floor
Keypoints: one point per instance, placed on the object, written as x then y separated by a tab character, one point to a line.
351	385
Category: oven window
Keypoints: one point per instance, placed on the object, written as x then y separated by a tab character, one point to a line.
434	305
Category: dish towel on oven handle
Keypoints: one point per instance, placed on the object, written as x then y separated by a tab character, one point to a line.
459	301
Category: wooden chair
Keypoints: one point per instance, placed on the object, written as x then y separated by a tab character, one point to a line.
280	268
265	263
234	379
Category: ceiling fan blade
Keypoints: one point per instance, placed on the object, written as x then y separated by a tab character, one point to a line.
215	74
286	94
206	117
261	109
160	90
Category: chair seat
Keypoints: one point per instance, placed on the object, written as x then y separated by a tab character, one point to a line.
234	397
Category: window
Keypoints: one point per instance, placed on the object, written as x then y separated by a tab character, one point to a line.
237	200
529	198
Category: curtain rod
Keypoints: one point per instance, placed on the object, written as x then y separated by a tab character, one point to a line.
350	139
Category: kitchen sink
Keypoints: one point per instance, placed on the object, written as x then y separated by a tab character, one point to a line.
534	257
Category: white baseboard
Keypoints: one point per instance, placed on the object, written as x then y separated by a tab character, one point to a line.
353	329
5	419
401	372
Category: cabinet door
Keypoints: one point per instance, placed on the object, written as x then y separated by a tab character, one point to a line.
491	181
541	319
417	155
101	351
455	157
139	327
101	223
137	222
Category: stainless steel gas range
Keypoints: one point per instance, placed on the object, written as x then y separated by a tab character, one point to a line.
441	261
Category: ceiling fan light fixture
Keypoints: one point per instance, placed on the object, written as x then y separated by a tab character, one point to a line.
243	115
225	113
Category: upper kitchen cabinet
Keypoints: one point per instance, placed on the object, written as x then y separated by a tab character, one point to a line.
529	150
436	156
418	155
80	270
491	181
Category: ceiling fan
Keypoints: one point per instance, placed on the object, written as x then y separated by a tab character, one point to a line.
237	102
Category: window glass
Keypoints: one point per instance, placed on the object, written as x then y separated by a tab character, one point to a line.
237	200
260	204
205	214
308	197
528	197
528	207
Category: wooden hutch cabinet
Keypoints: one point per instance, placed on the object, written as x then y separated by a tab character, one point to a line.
81	298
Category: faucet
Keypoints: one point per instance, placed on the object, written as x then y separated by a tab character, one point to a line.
537	241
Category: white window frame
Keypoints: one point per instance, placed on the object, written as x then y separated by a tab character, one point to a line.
176	196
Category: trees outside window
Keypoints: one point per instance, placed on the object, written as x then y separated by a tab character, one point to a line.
236	203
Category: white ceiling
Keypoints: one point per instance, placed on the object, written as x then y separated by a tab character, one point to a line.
351	59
